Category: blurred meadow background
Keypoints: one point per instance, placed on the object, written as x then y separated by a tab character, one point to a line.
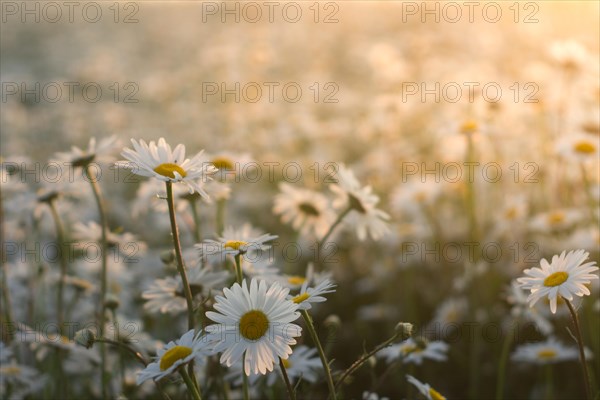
378	95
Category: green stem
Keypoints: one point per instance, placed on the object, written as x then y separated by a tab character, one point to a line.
103	276
588	191
358	363
586	377
502	363
220	222
192	389
323	241
180	264
286	379
4	286
238	268
549	388
317	342
196	231
245	379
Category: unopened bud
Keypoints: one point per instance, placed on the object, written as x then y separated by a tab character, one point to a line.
85	338
404	329
112	301
333	321
167	257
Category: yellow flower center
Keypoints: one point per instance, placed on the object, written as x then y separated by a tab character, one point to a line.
435	395
557	278
254	324
235	244
511	213
308	209
584	147
300	298
546	354
296	280
556	217
286	363
468	127
169	169
223	163
411	349
10	370
172	355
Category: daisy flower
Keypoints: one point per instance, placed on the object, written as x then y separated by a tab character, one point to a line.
307	211
310	295
566	276
175	354
95	152
520	308
415	351
255	322
365	218
427	391
549	352
373	396
556	220
304	363
231	164
160	162
579	147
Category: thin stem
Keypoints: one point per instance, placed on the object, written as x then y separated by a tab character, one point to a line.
196	230
548	383
586	377
103	276
4	286
138	356
286	379
238	268
317	342
502	364
364	358
180	264
588	191
220	221
192	389
323	241
245	379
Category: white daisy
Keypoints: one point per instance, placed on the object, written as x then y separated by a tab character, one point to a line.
579	147
364	217
548	352
255	322
555	220
425	389
373	396
232	165
175	354
160	162
415	351
520	308
94	153
245	241
307	211
310	295
566	276
304	363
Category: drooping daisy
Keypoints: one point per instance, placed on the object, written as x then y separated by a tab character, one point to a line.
255	322
549	352
415	351
308	211
160	162
425	389
189	347
102	152
166	295
566	276
364	217
309	295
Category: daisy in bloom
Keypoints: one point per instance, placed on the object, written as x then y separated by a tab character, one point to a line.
94	153
308	211
548	352
556	220
569	54
309	295
165	296
415	351
364	216
427	391
21	380
160	162
566	276
245	241
254	322
231	165
175	354
123	241
520	308
579	147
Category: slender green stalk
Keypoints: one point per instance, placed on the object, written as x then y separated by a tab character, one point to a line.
584	368
4	286
548	383
220	221
358	363
180	264
508	340
588	191
196	231
103	276
317	342
239	275
323	241
286	379
245	379
192	389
